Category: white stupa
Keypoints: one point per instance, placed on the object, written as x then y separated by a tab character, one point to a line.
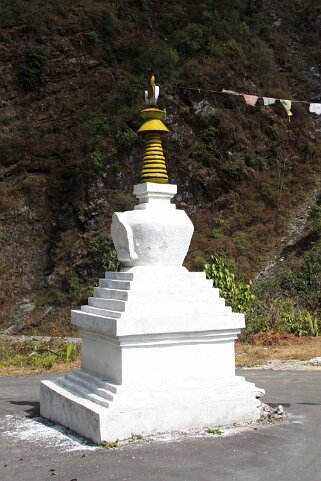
157	340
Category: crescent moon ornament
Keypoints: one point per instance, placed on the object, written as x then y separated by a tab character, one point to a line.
152	93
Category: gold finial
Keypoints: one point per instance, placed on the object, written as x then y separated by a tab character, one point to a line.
152	93
154	166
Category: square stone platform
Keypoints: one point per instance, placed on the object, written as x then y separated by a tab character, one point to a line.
157	355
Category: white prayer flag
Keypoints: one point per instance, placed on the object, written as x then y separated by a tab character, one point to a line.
315	109
268	101
231	92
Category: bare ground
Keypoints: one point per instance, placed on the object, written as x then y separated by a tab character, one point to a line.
291	348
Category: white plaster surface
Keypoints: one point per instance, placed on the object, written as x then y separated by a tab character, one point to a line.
158	341
160	357
154	233
148	411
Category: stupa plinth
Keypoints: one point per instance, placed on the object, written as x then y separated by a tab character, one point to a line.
157	340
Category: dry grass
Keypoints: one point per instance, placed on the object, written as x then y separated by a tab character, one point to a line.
263	349
292	348
24	371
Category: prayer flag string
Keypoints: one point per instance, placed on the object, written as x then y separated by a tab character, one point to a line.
252	99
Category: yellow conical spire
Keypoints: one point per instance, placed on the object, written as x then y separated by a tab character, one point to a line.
154	166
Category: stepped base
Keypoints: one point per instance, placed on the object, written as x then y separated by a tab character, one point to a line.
148	411
157	355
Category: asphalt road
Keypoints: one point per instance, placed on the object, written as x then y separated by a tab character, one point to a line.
290	451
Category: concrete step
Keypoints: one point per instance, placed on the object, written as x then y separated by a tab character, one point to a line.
81	391
118	306
106	293
101	312
113	284
119	276
81	374
93	323
108	304
90	386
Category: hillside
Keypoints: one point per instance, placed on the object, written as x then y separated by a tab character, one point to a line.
71	86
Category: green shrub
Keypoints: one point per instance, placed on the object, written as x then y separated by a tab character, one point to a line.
103	20
192	72
104	252
56	295
199	152
158	58
235	167
8	17
19	360
36	354
92	36
208	136
279	308
220	228
313	325
205	150
126	139
96	160
128	95
93	129
173	19
215	431
190	40
232	48
238	295
109	444
32	70
262	64
44	361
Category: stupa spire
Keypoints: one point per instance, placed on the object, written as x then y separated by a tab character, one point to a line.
154	164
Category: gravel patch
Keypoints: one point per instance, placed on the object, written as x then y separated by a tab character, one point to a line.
313	364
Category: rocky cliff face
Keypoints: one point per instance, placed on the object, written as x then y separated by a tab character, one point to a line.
71	84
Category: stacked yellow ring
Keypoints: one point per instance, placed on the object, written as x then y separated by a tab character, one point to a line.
154	166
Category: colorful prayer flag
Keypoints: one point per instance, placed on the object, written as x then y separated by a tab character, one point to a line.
250	99
287	106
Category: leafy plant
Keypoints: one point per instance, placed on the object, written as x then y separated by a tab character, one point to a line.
158	58
208	136
128	95
70	349
126	139
36	354
32	70
109	444
103	20
215	431
190	40
221	226
96	160
8	17
92	36
104	252
93	130
237	294
313	325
